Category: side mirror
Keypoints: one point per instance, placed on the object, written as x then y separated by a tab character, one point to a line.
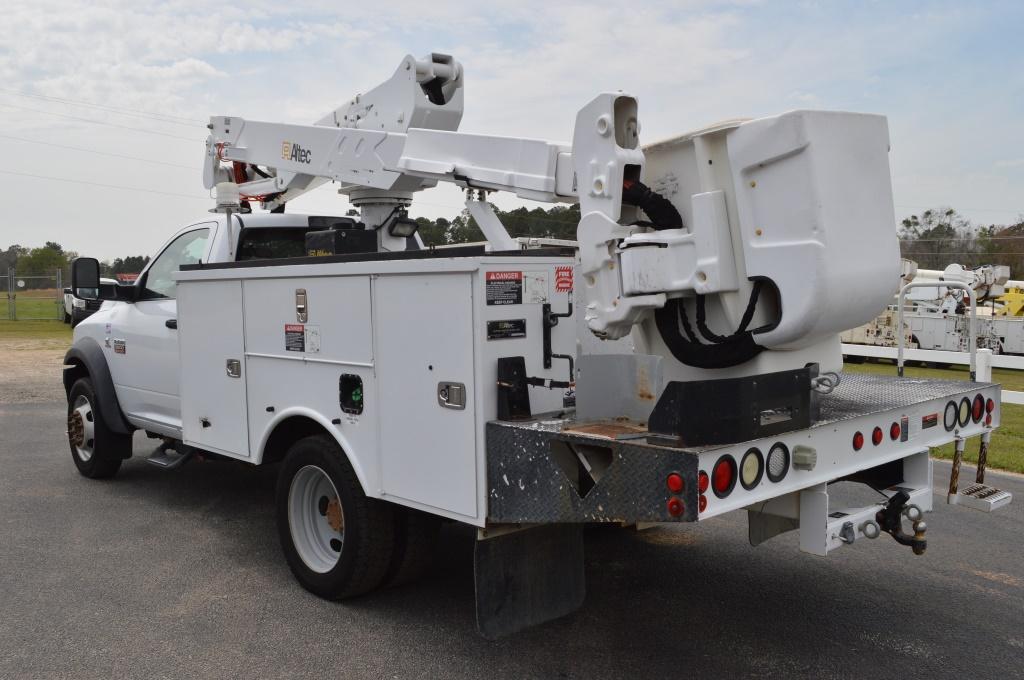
85	277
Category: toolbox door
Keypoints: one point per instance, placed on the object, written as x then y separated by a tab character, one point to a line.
212	348
423	332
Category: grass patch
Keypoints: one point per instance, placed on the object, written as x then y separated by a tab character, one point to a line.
1006	452
36	308
33	330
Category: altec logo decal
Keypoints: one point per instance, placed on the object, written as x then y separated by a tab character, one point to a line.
290	151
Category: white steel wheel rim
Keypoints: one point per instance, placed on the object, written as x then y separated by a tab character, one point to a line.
315	519
82	428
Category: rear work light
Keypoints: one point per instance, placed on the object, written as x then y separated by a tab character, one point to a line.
723	476
977	408
876	436
949	416
778	462
858	441
751	468
965	412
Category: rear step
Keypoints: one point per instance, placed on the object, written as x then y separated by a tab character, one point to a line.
169	458
980	497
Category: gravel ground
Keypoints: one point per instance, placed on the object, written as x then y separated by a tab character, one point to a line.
30	371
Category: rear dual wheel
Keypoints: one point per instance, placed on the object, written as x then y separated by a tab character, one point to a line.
338	542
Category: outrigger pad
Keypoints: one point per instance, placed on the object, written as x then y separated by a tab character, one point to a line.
528	577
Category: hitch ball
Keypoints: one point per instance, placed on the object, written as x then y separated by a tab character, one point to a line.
870	529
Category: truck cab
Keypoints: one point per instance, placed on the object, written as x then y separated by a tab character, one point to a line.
137	333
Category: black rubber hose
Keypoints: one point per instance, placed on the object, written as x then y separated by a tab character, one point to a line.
661	211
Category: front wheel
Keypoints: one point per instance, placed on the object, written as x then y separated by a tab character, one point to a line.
96	449
338	543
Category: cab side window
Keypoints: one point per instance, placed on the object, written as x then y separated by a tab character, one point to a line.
186	249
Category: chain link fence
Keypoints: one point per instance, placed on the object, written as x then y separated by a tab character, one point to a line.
34	298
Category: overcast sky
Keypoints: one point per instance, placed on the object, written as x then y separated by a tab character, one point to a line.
949	75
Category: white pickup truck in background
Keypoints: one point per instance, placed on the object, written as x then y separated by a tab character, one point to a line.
78	308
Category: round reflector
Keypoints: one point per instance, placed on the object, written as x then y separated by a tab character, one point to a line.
703	482
949	417
894	431
751	469
674	482
965	412
858	441
723	476
675	507
990	406
977	408
702	503
778	462
988	418
876	436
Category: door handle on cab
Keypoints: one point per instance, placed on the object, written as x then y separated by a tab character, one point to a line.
172	324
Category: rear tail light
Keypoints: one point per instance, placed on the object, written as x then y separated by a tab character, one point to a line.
977	408
778	462
674	482
703	482
858	441
876	436
988	418
990	406
702	503
723	476
751	469
675	507
894	431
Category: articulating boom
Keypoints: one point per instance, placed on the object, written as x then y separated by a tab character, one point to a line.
712	247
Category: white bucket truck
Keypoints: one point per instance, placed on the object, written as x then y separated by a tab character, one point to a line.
682	363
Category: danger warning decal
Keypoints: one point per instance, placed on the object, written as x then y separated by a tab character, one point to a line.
504	288
563	279
295	337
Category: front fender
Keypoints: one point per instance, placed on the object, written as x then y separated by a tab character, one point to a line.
86	352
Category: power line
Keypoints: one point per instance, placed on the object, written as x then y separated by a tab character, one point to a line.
99	184
101	153
932	208
102	122
165	117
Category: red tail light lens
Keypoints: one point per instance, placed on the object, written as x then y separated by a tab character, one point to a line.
876	436
858	441
674	482
723	476
703	482
894	431
990	406
702	503
988	418
675	507
977	408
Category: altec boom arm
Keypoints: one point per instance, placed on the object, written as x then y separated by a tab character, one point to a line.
773	221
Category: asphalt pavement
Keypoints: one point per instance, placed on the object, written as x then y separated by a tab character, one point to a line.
178	574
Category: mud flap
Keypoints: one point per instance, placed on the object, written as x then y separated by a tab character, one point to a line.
528	577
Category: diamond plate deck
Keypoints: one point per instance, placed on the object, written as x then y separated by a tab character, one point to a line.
860	395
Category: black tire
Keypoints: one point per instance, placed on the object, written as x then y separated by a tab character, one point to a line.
75	318
415	545
67	318
98	456
369	525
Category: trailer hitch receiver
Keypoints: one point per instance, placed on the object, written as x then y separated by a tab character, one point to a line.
890	520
